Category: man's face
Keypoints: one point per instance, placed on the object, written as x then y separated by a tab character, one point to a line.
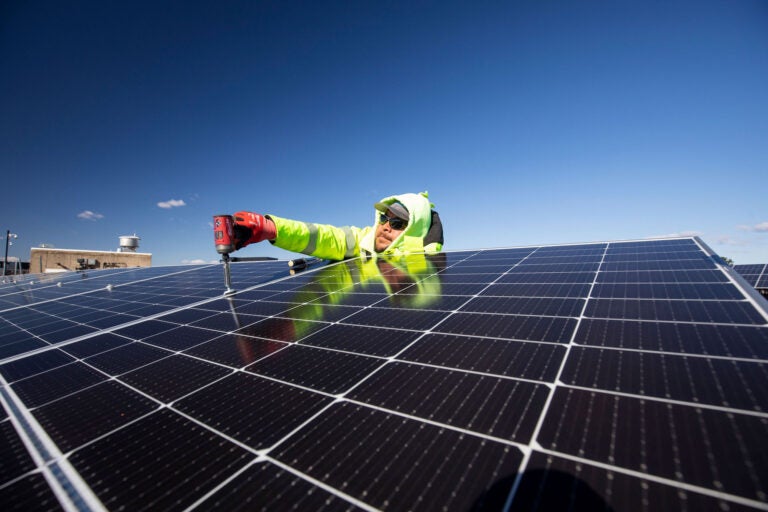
385	235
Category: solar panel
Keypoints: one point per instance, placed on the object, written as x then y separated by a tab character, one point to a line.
755	275
625	375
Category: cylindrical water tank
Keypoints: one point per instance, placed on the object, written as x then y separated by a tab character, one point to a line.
129	243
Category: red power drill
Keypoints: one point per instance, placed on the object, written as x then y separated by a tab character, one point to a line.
224	233
224	238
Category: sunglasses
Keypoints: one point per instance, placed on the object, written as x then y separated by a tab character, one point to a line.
394	222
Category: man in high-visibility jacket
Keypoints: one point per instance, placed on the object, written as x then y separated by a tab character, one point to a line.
404	224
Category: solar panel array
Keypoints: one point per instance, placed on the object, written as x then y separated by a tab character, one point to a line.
755	275
623	375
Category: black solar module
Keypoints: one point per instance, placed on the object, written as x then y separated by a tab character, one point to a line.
626	375
755	275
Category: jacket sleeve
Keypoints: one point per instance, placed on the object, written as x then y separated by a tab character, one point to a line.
319	240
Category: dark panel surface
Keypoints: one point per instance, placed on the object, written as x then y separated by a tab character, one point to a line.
29	493
536	361
681	443
504	408
82	417
16	460
538	290
508	326
728	312
235	350
525	306
669	276
415	383
144	329
716	340
180	338
739	384
703	291
171	460
127	358
33	365
362	340
392	317
173	377
552	483
323	370
574	278
755	275
56	383
95	345
265	486
12	346
375	443
251	409
281	329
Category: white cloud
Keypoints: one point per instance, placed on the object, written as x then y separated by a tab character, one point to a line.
680	234
173	203
198	262
729	240
759	228
89	215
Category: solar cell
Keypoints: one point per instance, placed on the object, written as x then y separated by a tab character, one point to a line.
78	418
591	487
498	407
53	384
526	306
95	345
361	339
667	291
272	488
30	493
538	328
538	290
308	367
726	383
16	460
386	456
530	361
625	375
687	338
169	460
235	351
626	432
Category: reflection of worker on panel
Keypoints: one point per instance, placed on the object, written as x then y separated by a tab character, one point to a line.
410	281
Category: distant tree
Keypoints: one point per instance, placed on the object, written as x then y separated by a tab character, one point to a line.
727	260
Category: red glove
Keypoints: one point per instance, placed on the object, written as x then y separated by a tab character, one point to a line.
251	228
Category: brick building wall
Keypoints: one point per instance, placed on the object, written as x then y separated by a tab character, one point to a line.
43	260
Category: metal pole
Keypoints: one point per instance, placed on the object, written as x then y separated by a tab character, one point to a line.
227	275
5	261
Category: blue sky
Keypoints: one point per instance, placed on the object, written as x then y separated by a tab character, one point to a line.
530	122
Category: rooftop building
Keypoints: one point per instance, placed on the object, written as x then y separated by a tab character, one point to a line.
49	259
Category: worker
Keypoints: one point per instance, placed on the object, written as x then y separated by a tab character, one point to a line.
404	224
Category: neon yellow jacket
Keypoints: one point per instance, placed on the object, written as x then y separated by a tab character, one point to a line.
338	243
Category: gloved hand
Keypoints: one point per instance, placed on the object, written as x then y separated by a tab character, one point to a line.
251	228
